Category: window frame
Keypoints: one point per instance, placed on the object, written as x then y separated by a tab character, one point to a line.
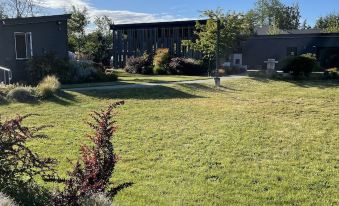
28	45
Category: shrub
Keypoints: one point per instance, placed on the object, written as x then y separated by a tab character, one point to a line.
300	65
161	61
96	200
81	72
186	66
16	159
66	71
47	64
139	65
91	174
21	94
48	86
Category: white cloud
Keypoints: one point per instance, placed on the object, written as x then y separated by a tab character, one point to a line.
119	17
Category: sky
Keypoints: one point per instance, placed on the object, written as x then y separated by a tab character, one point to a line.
141	11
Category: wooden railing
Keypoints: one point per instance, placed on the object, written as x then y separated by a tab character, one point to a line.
7	74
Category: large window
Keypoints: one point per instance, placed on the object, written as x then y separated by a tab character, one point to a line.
23	45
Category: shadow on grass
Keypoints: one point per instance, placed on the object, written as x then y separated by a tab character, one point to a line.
306	83
62	98
114	191
207	88
154	92
25	193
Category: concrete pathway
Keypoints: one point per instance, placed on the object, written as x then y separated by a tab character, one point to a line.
145	85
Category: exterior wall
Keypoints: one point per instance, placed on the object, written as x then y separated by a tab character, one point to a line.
135	39
47	36
258	49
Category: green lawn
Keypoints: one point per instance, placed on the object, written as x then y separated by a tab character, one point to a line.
252	142
127	78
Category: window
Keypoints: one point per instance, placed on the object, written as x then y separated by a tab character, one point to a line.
292	51
23	45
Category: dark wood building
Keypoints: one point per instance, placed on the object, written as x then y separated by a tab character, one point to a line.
136	39
259	48
23	38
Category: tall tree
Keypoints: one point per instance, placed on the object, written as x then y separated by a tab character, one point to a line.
76	28
329	23
99	42
274	13
21	8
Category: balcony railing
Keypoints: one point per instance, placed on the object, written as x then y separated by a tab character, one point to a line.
7	75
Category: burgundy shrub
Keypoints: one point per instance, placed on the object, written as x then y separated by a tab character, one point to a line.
92	172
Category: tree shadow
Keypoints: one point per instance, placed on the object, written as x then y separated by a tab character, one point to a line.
207	88
144	93
302	82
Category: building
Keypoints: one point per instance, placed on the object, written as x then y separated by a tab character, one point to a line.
136	39
259	48
23	38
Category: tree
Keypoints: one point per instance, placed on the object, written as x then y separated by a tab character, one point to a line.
76	28
329	23
305	25
21	8
2	11
275	13
234	27
100	41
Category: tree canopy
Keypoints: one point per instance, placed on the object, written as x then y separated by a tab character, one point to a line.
329	23
233	28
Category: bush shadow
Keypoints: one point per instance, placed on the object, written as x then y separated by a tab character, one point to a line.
114	191
144	93
63	98
25	193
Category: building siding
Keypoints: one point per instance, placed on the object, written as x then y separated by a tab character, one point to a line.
47	36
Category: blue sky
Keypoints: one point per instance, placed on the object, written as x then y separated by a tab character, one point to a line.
128	11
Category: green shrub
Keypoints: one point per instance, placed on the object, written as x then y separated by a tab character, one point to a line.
300	65
48	87
48	64
6	201
66	71
161	61
81	72
139	65
186	66
21	94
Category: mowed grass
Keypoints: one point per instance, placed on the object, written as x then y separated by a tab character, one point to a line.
252	142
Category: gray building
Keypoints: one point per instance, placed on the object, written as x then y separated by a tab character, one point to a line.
259	48
23	38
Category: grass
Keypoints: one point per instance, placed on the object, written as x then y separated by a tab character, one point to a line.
252	142
127	78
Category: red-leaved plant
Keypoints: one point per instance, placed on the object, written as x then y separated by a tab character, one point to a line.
92	172
17	161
